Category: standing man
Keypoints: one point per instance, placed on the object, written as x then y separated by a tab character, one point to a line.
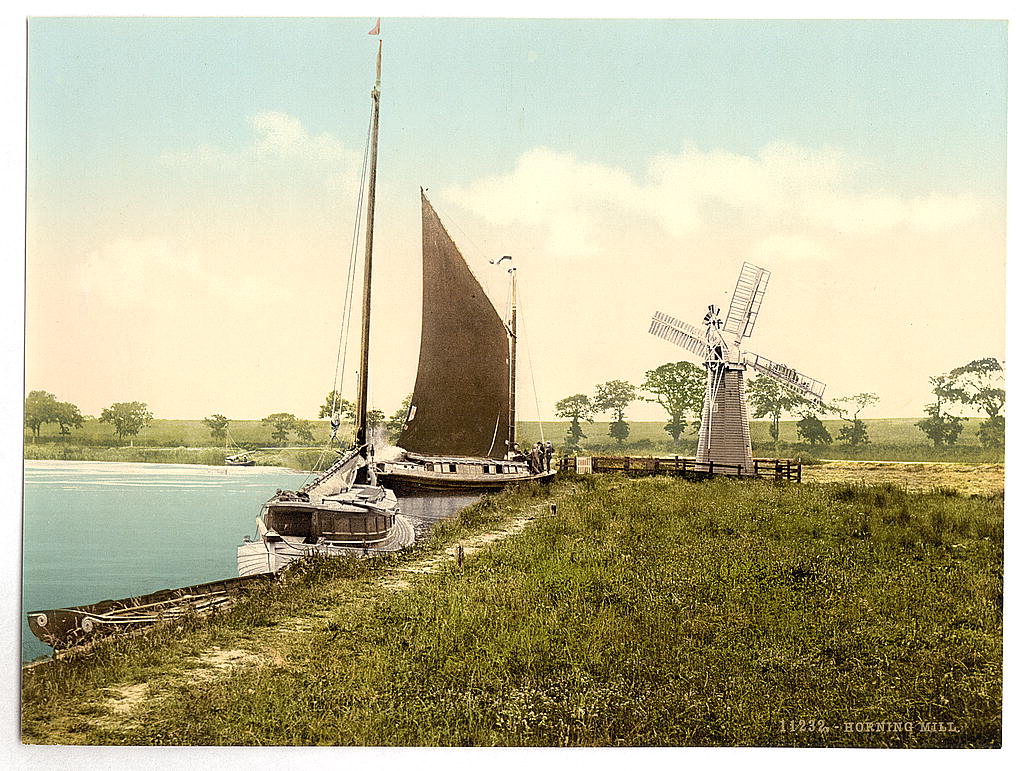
536	464
549	450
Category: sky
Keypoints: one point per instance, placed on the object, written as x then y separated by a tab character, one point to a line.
191	187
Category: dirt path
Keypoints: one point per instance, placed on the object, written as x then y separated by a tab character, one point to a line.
967	478
124	704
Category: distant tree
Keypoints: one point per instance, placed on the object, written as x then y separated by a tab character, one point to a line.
981	384
128	418
304	431
218	425
768	397
374	418
282	423
397	420
575	408
67	416
40	408
992	432
849	408
812	430
335	402
679	388
942	428
614	396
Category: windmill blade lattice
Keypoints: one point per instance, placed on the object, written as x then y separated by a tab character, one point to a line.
798	383
746	301
679	332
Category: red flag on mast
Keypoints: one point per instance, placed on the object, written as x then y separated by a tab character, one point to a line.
376	29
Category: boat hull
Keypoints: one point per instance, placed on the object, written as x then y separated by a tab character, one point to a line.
414	475
363	520
271	553
64	628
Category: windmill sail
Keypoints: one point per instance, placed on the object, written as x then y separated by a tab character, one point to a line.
460	404
679	332
800	384
746	301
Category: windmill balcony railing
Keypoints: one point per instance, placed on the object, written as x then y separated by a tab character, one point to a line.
764	468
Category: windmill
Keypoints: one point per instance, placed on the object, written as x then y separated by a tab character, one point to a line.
724	426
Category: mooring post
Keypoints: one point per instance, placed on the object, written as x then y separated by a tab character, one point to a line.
459	555
554	509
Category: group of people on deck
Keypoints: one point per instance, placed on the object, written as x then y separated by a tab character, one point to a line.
539	456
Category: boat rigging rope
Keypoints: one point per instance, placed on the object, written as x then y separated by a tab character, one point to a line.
347	304
521	332
339	366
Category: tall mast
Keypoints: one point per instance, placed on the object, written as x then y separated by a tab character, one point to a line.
364	352
512	370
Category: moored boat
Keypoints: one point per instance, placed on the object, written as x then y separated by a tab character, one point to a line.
72	627
459	433
330	517
343	511
241	459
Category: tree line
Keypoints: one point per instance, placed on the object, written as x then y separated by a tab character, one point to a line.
42	407
977	385
678	387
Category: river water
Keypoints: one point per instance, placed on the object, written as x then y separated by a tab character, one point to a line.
97	531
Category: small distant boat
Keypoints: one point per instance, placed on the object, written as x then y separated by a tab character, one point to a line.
343	511
241	459
460	431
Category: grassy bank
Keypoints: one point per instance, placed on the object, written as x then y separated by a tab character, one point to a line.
644	612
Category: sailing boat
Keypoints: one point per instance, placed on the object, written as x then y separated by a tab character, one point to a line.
459	433
344	510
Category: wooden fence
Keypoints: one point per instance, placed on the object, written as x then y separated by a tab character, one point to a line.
764	468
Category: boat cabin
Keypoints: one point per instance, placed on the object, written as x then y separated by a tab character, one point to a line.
357	517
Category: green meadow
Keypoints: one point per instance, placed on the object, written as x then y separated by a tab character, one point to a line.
640	612
189	441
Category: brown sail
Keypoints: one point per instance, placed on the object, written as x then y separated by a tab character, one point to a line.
460	405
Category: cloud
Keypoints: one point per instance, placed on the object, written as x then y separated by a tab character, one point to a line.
279	146
568	198
582	205
142	274
134	272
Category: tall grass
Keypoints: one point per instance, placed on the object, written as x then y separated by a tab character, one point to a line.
645	612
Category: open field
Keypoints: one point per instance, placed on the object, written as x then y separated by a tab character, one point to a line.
188	441
884	431
642	612
965	478
174	433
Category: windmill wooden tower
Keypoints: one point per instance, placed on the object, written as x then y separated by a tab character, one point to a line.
724	425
